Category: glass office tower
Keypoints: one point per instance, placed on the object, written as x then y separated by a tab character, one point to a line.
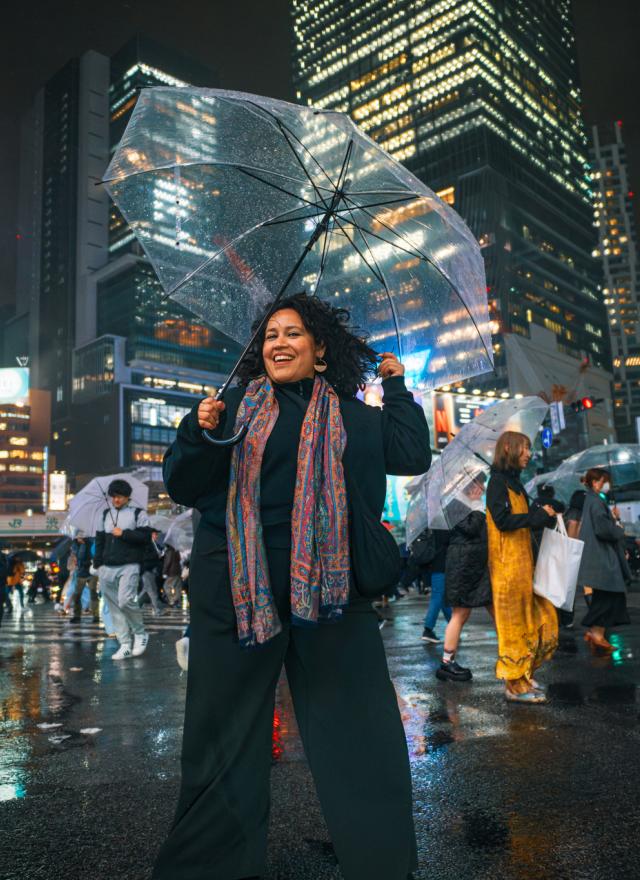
480	99
618	250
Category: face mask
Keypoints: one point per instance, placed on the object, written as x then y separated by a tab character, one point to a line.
606	488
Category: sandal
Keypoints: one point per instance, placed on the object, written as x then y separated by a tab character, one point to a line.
528	697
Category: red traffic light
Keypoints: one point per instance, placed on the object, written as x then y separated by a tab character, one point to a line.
587	402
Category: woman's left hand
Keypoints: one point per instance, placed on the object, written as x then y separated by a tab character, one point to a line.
390	366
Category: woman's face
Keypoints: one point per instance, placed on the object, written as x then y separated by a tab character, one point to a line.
289	351
598	485
524	457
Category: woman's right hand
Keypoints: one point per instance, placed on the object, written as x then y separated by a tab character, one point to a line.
549	510
209	413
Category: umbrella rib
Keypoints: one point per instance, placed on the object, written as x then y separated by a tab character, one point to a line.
221	252
214	162
337	211
359	252
382	277
285	131
279	188
280	124
436	267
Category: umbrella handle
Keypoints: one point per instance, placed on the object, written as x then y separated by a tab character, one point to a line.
228	441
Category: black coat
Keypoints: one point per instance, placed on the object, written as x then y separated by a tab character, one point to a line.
467	573
603	565
392	440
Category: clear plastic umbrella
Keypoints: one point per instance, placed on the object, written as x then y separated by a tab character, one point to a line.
179	535
622	460
454	485
237	199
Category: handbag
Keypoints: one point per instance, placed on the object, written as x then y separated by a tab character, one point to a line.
556	573
376	563
424	549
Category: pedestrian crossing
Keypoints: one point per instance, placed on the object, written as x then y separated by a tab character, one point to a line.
43	625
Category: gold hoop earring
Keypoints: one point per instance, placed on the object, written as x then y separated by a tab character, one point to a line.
320	365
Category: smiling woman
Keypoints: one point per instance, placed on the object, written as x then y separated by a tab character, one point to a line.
286	516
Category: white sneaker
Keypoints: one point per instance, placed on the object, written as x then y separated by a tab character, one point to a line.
182	653
122	653
140	643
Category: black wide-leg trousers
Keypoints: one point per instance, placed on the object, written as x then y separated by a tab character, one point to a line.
349	722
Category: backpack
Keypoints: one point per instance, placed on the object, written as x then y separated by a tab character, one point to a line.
424	550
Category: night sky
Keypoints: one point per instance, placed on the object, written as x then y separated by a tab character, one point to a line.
248	43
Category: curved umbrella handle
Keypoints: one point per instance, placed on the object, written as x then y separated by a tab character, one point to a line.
227	441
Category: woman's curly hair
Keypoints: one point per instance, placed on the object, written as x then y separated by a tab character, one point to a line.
350	361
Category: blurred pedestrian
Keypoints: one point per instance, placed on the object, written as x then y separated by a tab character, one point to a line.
526	624
436	571
40	583
81	549
15	578
120	546
545	496
603	567
172	571
467	583
151	572
272	583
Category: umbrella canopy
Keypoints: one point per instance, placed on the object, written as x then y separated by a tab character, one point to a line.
622	460
161	522
86	509
180	533
454	485
237	198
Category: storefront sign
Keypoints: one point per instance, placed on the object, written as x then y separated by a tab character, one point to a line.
57	491
49	523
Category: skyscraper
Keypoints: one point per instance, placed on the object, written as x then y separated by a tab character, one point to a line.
618	250
480	99
102	335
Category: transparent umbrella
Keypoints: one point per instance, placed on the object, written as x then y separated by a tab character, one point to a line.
622	460
454	485
238	199
179	535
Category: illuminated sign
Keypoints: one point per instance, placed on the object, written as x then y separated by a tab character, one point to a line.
57	491
14	385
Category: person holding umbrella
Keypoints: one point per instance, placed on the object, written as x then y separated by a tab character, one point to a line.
526	624
120	548
603	566
272	582
467	583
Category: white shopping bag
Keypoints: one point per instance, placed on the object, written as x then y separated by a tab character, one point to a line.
556	573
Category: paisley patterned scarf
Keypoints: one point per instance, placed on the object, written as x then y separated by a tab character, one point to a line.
319	520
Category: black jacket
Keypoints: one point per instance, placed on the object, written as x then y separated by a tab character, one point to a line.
4	570
499	506
40	579
152	558
467	573
393	440
127	549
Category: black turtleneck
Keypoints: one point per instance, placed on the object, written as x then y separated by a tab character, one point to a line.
280	462
499	506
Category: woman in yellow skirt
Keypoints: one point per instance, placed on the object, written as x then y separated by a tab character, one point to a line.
526	624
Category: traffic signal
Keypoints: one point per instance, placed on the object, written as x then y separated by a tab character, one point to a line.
584	404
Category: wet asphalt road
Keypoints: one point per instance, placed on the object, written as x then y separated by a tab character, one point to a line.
89	758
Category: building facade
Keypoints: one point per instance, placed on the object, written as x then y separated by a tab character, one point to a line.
480	99
618	249
102	336
25	428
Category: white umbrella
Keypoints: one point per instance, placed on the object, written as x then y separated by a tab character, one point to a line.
180	533
86	508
